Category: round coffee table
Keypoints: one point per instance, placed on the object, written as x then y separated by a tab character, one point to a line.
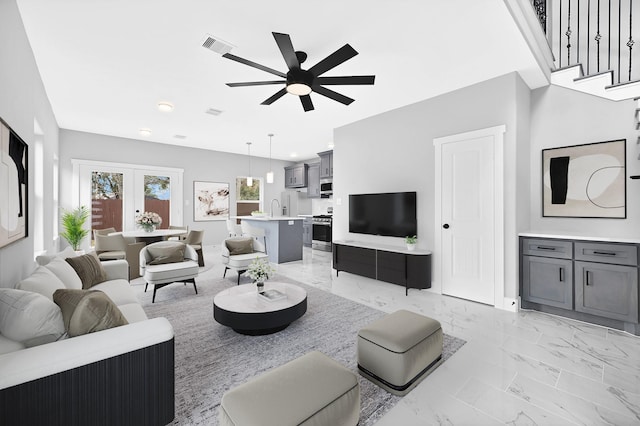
245	312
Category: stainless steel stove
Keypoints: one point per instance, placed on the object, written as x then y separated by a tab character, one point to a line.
322	235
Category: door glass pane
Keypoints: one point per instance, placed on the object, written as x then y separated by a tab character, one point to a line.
248	197
106	200
157	197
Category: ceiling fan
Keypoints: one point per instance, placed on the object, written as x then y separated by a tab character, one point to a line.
302	82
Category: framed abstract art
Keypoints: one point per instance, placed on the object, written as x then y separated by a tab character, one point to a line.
588	181
210	201
14	195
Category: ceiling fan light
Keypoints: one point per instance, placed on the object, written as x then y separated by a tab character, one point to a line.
299	89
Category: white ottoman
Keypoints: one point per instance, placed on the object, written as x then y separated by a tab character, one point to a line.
399	350
311	390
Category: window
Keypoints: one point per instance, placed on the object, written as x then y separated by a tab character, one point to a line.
248	198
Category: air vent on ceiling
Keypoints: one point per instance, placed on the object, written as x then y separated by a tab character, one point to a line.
179	136
213	111
215	44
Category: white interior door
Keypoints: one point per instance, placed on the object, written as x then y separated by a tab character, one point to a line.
469	238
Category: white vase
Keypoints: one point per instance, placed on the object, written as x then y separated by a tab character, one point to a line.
411	247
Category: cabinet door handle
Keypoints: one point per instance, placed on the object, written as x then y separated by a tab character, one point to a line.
561	274
546	248
604	253
586	277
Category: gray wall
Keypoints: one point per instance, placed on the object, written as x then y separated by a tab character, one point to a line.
23	101
198	164
394	152
562	117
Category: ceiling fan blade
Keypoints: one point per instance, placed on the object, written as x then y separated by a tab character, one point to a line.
332	95
306	103
254	65
358	79
341	55
255	83
275	97
286	48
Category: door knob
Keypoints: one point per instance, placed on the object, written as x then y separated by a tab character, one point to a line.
445	226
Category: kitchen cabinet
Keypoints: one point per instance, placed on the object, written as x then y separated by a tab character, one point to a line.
591	281
326	164
313	181
307	231
295	176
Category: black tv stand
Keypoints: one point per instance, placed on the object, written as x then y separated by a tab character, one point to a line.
396	265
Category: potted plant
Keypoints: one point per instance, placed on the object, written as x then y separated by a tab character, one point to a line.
259	271
73	224
411	242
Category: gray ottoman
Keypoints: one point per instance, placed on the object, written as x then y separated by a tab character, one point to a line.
310	390
399	350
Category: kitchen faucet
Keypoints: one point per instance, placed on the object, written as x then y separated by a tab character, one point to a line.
276	200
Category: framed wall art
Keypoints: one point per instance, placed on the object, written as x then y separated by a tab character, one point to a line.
588	181
14	194
210	201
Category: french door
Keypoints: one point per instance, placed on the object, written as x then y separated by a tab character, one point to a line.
116	193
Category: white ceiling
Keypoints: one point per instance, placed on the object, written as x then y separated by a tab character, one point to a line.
105	64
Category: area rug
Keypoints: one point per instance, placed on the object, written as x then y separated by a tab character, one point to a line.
211	358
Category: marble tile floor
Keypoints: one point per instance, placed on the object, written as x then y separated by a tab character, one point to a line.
525	368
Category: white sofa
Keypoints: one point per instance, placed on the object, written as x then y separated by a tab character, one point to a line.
122	375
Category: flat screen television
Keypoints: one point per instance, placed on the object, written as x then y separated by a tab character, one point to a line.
390	214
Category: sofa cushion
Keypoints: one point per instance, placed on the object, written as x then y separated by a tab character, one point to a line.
166	273
133	312
25	316
44	259
7	345
65	273
89	269
41	281
118	290
87	311
162	255
242	261
239	245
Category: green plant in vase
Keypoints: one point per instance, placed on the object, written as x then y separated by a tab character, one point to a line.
411	242
73	226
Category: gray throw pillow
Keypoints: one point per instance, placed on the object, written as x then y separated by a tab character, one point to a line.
89	269
87	311
240	245
172	254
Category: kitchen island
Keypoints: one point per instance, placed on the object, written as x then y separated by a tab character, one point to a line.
283	235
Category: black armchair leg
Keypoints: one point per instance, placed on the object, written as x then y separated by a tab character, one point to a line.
225	271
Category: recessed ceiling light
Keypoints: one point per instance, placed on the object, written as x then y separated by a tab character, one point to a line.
330	146
145	132
293	155
165	106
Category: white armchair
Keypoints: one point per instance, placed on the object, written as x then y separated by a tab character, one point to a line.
239	252
167	262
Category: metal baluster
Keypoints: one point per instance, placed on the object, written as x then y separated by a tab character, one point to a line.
630	43
568	34
598	37
609	39
619	35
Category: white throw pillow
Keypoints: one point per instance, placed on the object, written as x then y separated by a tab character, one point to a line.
26	316
42	281
65	273
44	259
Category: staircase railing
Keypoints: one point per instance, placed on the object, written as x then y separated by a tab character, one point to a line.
599	34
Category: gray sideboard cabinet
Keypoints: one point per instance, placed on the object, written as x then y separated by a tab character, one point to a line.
591	281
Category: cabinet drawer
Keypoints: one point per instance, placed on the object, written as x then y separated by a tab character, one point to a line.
619	254
547	248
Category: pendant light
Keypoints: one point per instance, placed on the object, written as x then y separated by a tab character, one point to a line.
249	178
270	172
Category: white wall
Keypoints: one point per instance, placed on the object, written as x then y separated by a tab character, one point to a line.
562	117
394	152
198	164
23	100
